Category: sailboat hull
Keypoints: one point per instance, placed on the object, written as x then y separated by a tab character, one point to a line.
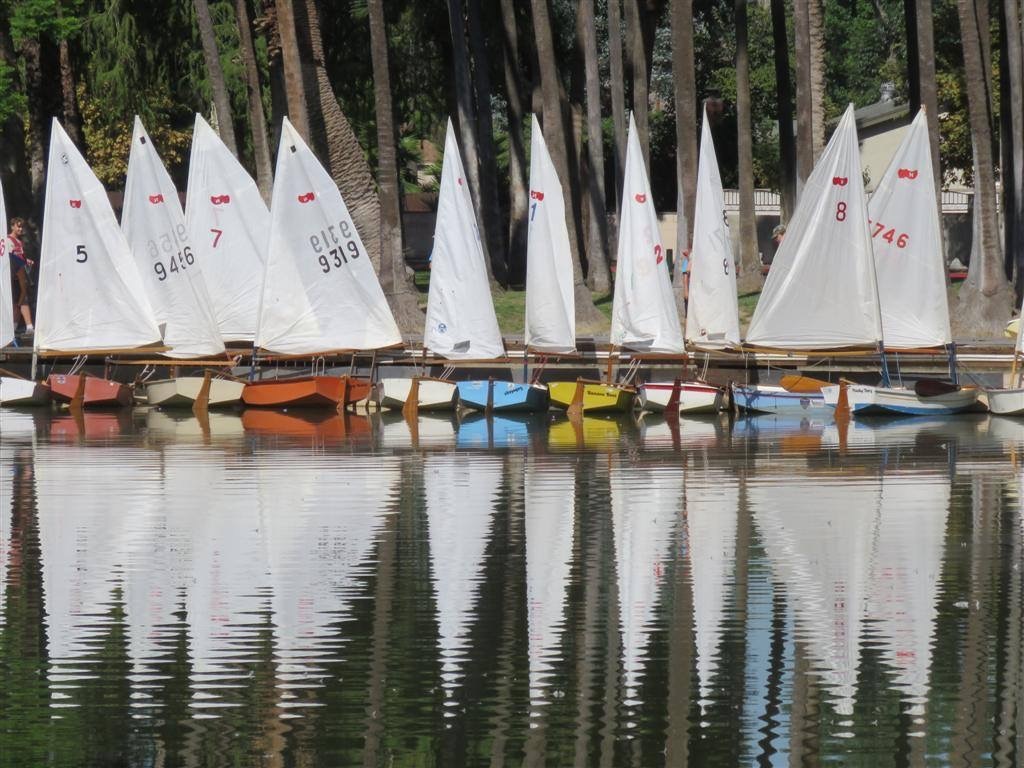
768	399
434	394
1006	402
866	400
304	392
597	398
22	392
694	396
99	392
182	392
505	396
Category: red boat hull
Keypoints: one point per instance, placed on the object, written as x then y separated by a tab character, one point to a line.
305	392
99	392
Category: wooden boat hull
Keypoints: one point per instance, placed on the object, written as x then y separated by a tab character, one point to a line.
1006	402
756	398
434	394
182	392
507	396
866	400
597	398
304	392
22	392
694	396
99	392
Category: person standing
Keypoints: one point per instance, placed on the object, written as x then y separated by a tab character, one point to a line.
20	266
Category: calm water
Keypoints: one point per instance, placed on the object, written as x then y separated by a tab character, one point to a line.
271	590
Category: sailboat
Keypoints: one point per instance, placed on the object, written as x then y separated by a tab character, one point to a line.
320	293
91	297
460	322
14	390
712	319
550	301
820	293
906	239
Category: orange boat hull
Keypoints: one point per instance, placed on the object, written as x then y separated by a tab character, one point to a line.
99	392
305	392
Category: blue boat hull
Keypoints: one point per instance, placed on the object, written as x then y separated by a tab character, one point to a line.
777	400
508	396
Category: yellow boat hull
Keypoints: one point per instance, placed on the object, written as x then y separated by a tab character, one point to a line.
597	398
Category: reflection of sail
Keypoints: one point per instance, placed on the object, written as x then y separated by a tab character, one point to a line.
818	535
550	503
711	515
460	494
904	578
645	503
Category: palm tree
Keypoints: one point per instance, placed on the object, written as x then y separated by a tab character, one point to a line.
618	92
921	66
749	274
1011	94
598	274
784	99
685	96
636	58
291	64
518	200
211	56
254	97
398	286
804	149
984	299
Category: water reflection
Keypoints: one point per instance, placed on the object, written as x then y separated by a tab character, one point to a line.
370	589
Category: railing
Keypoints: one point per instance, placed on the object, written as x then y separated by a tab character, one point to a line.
767	201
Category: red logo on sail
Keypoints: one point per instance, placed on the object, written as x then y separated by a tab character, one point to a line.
659	257
839	181
75	203
907	173
220	199
640	198
459	180
536	195
306	198
154	199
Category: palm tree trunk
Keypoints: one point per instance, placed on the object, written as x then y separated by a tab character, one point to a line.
517	166
17	182
685	95
42	68
257	120
923	87
636	59
618	93
804	150
397	284
69	97
291	63
466	118
1012	119
598	274
211	56
784	99
749	275
816	40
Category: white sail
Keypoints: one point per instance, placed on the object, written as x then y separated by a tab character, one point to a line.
154	226
320	291
711	520
645	505
550	301
549	493
229	227
6	294
90	292
460	491
644	312
712	318
818	537
460	319
903	217
905	573
820	292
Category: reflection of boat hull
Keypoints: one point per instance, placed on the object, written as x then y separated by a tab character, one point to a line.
901	401
331	426
434	394
694	396
478	431
90	426
1006	402
182	392
99	393
585	433
22	392
597	398
305	392
505	396
766	399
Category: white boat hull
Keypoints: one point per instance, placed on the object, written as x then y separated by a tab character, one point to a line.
434	394
866	400
22	392
1006	402
762	398
182	392
694	397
